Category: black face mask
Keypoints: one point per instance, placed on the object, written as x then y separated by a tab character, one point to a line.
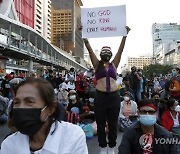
156	101
105	57
27	120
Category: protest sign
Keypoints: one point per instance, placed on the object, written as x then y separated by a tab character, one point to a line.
103	21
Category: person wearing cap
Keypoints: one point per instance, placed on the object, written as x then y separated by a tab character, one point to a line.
171	117
107	96
63	94
128	112
144	136
76	105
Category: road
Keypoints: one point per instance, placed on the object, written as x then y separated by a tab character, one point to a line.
93	147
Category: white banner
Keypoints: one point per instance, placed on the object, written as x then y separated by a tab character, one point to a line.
103	21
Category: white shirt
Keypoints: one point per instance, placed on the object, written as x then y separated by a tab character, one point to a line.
119	81
71	85
66	139
176	120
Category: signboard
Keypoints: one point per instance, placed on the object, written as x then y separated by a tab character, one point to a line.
103	21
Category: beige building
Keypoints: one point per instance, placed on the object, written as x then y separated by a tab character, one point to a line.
139	62
66	21
42	23
61	32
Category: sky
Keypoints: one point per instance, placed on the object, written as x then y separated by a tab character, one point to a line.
140	15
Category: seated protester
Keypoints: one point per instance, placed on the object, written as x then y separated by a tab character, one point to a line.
81	85
75	105
160	103
128	112
141	138
34	115
125	88
90	108
62	95
171	117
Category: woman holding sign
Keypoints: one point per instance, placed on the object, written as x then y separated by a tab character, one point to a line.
107	100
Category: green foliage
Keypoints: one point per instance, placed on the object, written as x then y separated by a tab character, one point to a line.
156	69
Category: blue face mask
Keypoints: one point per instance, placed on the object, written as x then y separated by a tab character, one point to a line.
147	120
173	73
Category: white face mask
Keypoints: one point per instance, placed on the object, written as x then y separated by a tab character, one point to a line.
126	98
177	109
91	100
72	97
123	86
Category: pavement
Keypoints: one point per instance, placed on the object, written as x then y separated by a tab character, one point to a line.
92	144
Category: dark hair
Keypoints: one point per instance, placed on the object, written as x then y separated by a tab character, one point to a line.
77	97
72	69
46	92
155	93
170	103
177	69
145	102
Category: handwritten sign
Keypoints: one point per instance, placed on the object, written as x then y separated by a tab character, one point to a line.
103	21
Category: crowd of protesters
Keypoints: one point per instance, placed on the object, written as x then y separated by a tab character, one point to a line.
75	93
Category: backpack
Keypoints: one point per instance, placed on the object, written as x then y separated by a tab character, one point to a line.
73	117
88	130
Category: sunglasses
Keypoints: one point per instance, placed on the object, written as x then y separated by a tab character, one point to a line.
151	112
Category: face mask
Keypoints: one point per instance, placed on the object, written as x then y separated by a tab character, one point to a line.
72	97
126	98
123	86
173	73
28	120
156	101
177	108
91	100
140	73
147	120
105	57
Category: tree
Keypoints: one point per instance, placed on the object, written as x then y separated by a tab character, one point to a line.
156	69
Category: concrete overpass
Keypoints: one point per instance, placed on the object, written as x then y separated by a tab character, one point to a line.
20	41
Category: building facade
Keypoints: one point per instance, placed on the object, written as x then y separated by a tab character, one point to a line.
165	43
25	11
139	62
65	26
43	18
164	33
